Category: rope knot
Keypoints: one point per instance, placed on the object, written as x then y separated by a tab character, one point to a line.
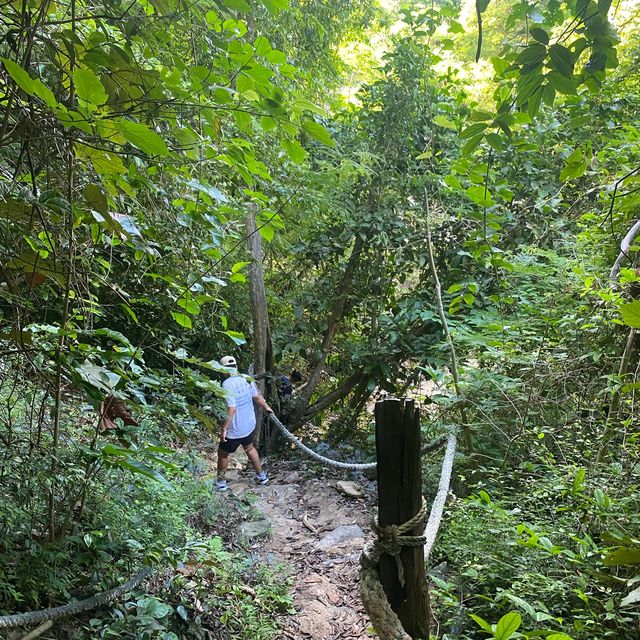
391	538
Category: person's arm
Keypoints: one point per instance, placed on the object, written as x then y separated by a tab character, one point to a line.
261	402
231	411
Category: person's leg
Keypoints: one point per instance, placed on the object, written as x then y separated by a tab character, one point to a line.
254	458
223	465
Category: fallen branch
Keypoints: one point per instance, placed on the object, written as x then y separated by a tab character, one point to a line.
306	523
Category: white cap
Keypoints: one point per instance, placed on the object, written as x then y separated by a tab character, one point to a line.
228	361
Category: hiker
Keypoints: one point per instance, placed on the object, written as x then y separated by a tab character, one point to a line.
240	424
284	385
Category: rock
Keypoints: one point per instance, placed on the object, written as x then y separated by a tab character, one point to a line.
351	489
292	478
255	529
341	535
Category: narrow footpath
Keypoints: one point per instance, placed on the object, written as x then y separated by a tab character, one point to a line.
318	531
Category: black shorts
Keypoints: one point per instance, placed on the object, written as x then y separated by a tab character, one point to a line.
231	444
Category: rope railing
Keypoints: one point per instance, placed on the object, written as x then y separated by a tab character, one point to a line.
36	617
352	466
431	446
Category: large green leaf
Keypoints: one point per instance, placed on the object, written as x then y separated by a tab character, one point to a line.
318	132
294	150
88	87
140	136
624	556
561	60
630	312
19	75
508	625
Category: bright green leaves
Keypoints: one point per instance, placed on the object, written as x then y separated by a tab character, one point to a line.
182	319
31	86
574	167
19	75
140	136
294	149
443	121
238	5
316	131
88	87
507	626
630	312
480	195
504	629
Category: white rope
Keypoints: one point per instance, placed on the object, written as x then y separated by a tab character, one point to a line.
437	508
333	463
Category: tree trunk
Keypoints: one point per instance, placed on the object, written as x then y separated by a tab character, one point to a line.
337	311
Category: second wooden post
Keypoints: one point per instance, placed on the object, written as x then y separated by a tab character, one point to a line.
399	499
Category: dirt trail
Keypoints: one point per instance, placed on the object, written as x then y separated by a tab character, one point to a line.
319	532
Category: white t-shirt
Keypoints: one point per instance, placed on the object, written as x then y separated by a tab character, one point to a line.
240	394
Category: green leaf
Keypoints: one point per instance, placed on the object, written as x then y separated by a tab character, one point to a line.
19	75
318	132
42	91
561	60
238	5
190	306
561	83
182	319
630	312
508	625
540	35
236	336
294	150
140	136
482	623
443	121
532	55
88	87
94	195
575	166
480	195
473	130
624	556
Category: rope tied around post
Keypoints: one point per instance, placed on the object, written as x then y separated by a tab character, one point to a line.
392	538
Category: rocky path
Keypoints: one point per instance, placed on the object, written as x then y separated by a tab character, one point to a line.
319	532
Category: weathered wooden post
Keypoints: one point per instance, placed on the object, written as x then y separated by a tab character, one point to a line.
399	499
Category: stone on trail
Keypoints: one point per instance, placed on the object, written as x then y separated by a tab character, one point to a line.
350	533
255	529
292	478
351	489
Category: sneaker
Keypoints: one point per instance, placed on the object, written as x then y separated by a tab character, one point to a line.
262	478
221	485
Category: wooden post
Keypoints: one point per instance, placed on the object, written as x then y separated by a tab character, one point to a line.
399	499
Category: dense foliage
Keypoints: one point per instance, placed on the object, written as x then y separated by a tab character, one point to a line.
497	139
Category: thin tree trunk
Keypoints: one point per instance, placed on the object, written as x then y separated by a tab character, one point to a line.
262	352
337	311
